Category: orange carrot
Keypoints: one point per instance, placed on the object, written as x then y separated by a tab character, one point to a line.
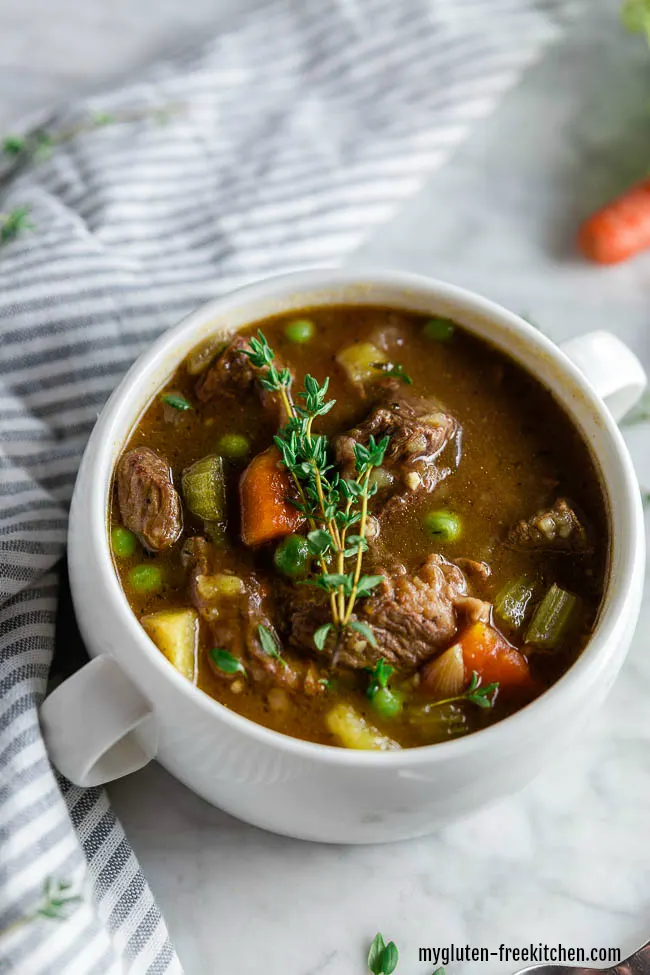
620	229
266	512
488	653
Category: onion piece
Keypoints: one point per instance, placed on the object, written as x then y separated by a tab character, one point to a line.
201	357
445	676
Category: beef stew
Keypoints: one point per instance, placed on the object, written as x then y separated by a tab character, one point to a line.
360	527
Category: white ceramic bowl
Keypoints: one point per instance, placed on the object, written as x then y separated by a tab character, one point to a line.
130	703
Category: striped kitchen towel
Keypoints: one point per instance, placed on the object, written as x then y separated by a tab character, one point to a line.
279	144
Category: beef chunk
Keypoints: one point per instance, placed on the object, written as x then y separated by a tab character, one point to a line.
234	607
419	430
411	615
149	503
233	372
557	529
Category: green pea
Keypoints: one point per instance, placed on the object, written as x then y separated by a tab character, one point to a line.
123	542
292	556
146	578
444	524
233	446
439	329
300	331
386	702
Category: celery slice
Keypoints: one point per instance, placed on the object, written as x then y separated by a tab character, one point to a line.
552	619
512	601
204	488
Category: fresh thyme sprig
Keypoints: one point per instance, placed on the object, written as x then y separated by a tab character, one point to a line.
55	903
332	505
38	145
484	696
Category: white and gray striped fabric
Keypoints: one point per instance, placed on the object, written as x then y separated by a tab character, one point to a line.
286	140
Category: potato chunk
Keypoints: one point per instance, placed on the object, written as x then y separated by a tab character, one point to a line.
350	726
176	632
362	361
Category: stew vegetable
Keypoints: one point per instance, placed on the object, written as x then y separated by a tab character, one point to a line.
362	527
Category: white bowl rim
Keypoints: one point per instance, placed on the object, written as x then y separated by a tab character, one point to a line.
590	664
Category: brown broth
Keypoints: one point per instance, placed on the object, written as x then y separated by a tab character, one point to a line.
520	451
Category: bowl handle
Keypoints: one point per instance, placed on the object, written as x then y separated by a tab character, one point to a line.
97	725
611	368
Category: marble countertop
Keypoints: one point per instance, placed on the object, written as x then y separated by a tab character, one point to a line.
567	861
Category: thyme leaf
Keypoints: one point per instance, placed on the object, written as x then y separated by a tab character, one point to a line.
14	223
269	644
382	957
177	401
483	696
396	370
226	662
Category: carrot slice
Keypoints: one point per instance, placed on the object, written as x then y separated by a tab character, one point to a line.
620	229
264	489
488	653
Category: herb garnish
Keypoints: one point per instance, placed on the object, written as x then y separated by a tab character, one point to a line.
55	902
13	223
332	504
38	144
382	958
475	693
226	662
269	644
379	677
176	400
396	370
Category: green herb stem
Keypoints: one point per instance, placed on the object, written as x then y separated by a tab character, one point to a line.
328	501
362	533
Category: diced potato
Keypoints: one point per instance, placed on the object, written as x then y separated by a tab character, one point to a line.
360	361
354	731
213	587
176	633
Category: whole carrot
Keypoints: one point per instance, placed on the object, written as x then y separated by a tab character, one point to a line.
620	229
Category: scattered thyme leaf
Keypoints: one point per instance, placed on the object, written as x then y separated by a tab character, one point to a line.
177	401
375	954
13	145
396	370
382	958
226	662
636	17
483	696
269	644
14	223
104	118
